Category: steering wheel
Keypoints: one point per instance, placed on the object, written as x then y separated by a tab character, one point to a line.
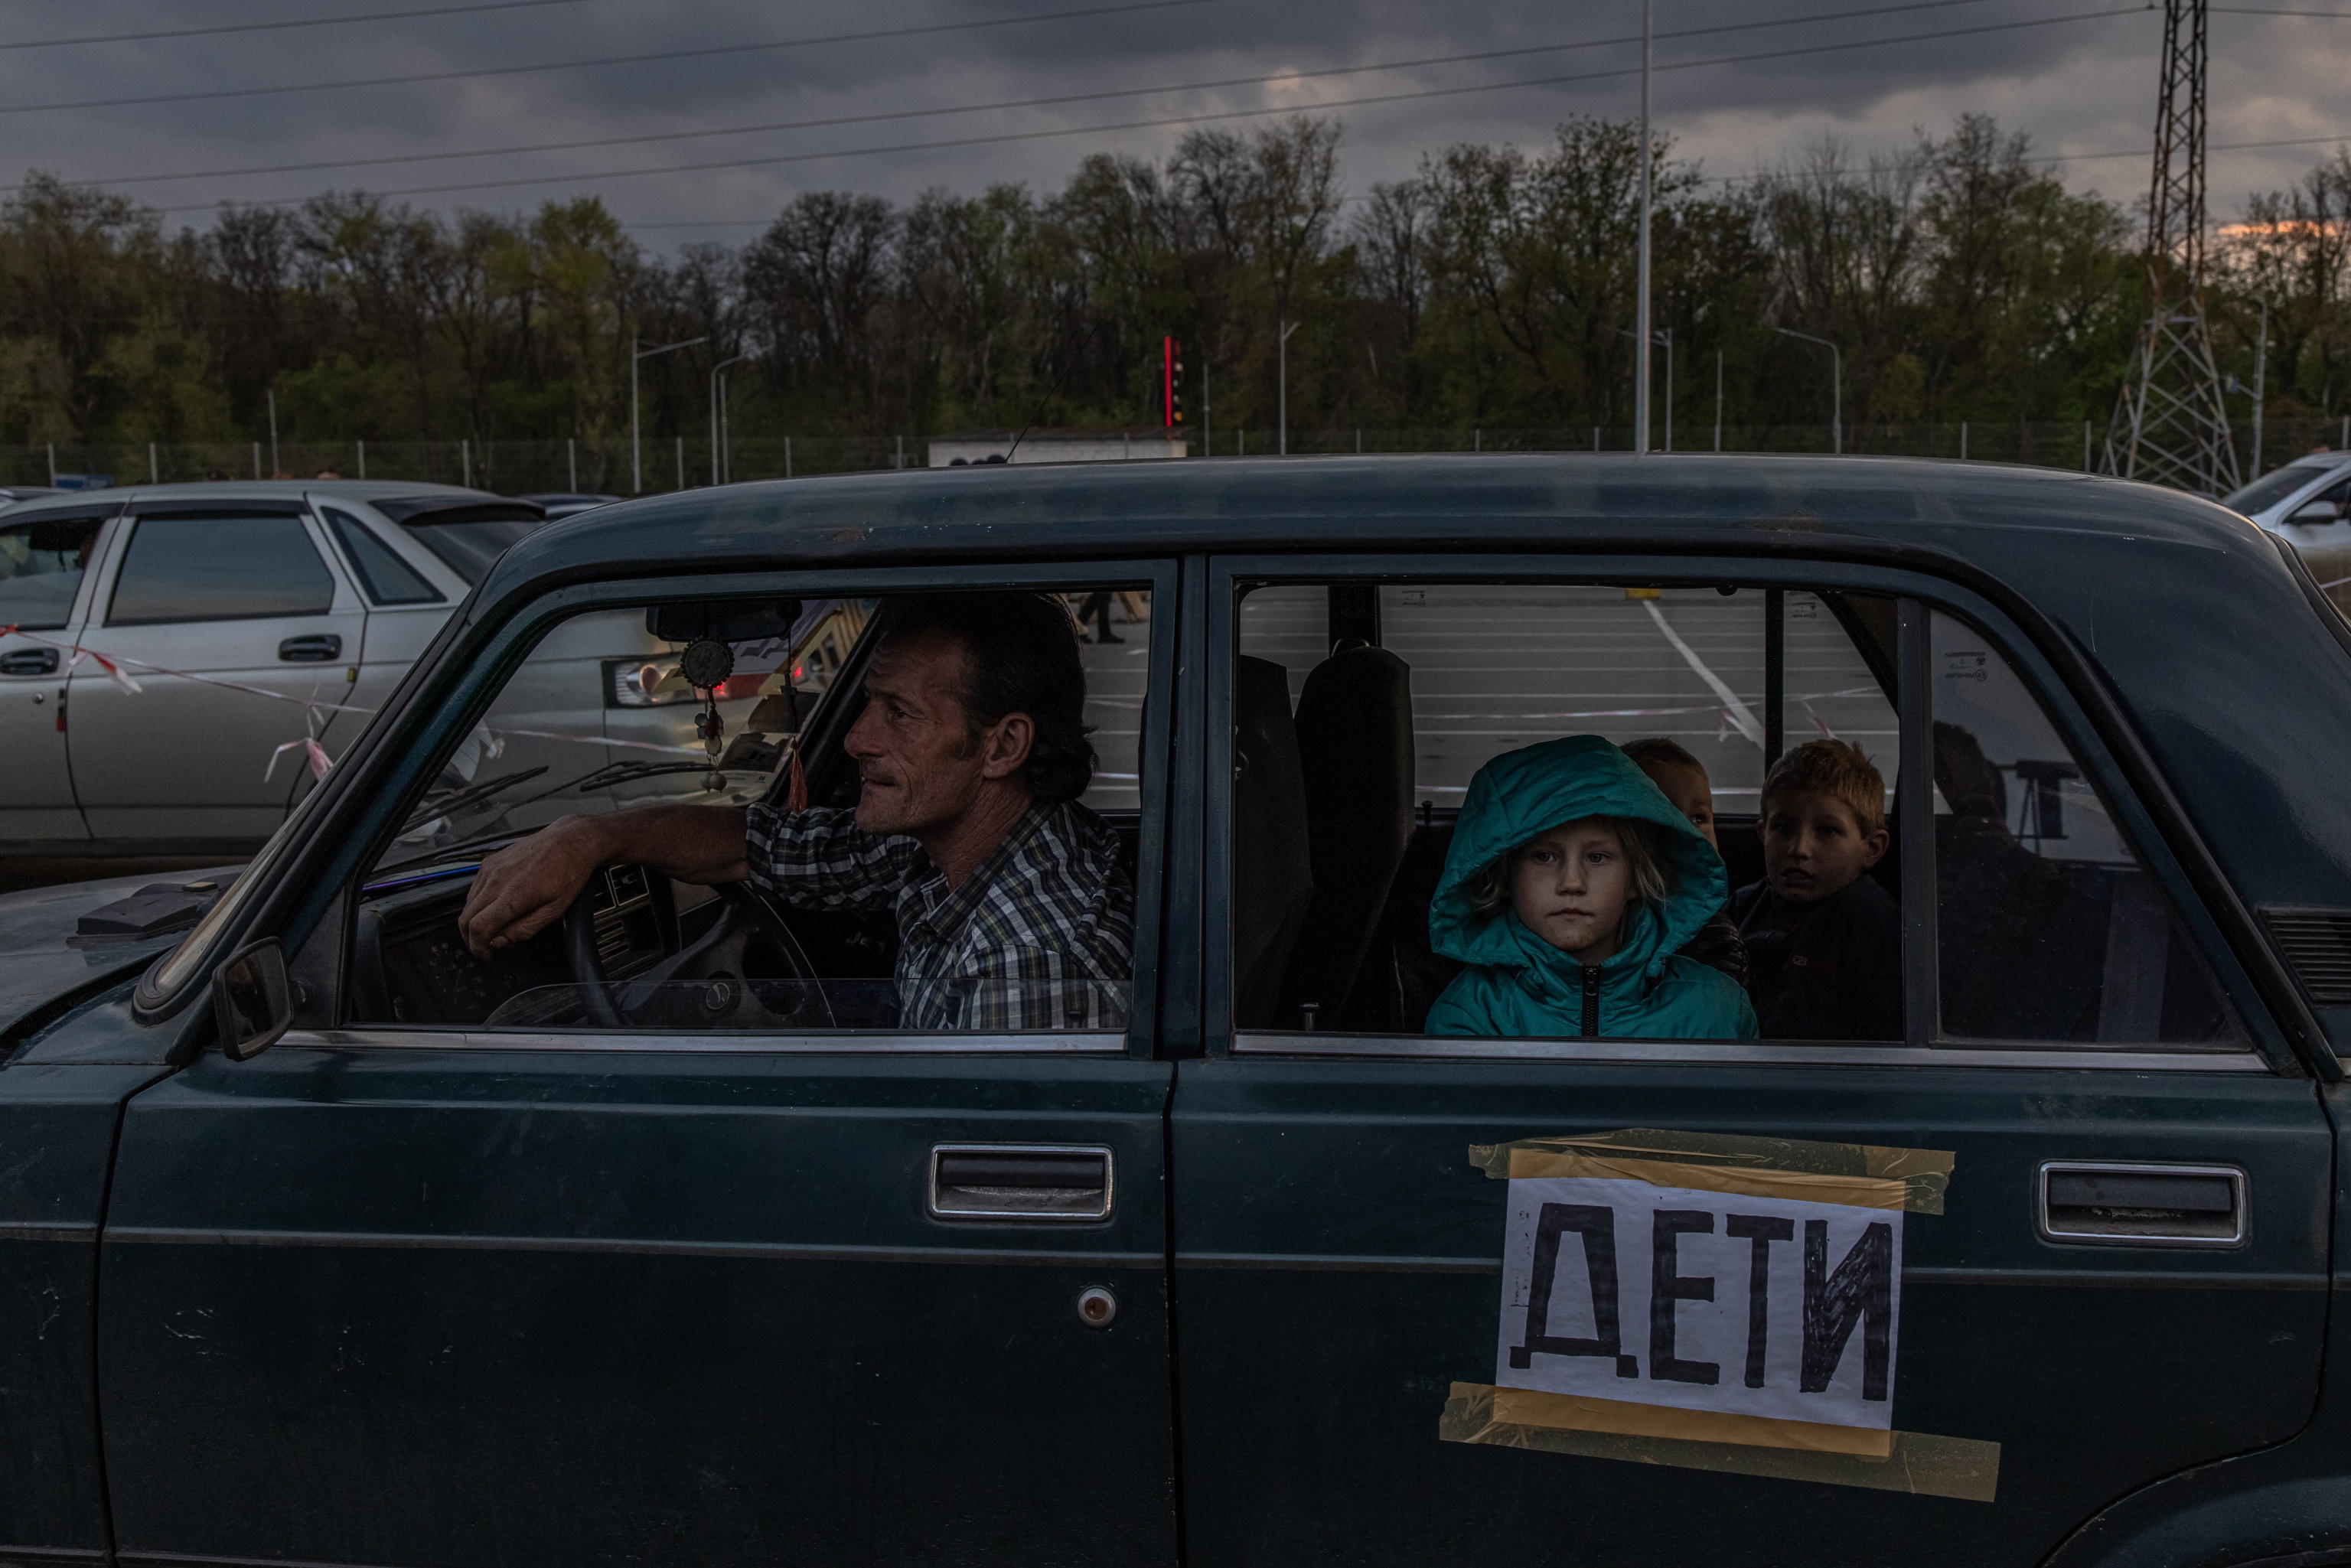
749	931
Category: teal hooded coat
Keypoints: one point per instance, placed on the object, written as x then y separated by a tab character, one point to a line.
1518	984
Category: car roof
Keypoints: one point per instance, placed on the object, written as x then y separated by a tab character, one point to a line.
234	490
1976	511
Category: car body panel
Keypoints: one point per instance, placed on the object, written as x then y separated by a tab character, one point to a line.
628	1308
1337	1267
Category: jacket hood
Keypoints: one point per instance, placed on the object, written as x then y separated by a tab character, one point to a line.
1522	793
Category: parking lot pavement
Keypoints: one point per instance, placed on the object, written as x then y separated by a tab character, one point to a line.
1496	668
18	873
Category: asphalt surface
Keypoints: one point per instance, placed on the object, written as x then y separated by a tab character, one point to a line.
1494	668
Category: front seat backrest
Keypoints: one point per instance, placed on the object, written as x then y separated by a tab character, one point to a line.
1356	752
1272	878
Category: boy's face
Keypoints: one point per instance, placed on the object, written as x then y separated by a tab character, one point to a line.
1691	792
1812	846
1570	887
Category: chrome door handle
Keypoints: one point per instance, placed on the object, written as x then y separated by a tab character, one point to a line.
318	650
1063	1182
2127	1204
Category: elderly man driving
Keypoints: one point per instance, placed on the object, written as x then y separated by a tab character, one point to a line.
1013	910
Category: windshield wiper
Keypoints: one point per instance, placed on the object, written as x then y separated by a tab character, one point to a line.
602	778
470	795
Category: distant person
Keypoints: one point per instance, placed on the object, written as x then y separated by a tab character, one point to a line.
1096	609
1569	885
1824	939
1682	779
329	472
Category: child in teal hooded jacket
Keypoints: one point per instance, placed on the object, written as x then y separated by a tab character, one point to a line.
1571	885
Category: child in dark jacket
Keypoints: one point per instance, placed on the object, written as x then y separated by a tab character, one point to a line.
1824	939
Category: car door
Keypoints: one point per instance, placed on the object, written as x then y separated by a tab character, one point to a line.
1391	1353
227	639
501	1293
44	564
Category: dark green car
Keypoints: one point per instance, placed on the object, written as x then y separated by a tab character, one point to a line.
657	1238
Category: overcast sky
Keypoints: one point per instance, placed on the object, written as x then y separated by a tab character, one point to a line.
2074	85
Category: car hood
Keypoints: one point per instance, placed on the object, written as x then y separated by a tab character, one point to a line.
42	957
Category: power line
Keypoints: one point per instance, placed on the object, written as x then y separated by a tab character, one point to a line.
278	27
1202	118
703	53
1006	104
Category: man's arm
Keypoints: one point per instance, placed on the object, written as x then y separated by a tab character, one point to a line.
525	888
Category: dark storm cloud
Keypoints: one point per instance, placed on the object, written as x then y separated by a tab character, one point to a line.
2076	86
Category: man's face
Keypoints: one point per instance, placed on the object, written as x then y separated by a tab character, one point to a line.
914	751
1812	846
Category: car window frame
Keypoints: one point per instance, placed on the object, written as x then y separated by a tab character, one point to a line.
343	596
110	519
2151	820
465	683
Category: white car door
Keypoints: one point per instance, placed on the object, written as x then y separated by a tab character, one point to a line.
228	619
45	564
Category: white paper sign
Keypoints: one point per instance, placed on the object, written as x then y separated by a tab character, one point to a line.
1619	1289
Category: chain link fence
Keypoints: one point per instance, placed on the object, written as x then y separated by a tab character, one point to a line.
609	466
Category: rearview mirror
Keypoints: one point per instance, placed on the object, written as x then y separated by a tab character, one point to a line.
723	620
253	1000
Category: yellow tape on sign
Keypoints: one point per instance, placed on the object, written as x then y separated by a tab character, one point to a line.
1915	1462
1922	1175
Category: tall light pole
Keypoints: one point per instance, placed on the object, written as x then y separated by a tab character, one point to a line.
717	380
638	352
1836	384
1287	328
1641	285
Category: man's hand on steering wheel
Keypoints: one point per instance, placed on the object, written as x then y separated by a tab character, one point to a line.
525	888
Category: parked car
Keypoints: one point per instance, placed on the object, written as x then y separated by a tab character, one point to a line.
166	652
327	1241
2308	492
12	494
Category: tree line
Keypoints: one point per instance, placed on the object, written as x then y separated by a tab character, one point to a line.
1959	278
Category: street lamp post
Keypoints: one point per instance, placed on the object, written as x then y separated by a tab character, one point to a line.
718	381
638	352
1641	283
1283	400
1836	384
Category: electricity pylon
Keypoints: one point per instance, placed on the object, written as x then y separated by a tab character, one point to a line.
2170	425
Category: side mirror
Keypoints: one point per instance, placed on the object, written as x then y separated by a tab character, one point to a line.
253	1000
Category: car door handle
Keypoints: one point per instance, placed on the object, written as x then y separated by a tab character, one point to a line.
318	650
1067	1182
2137	1205
29	662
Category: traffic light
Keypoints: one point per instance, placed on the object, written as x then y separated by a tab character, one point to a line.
1171	379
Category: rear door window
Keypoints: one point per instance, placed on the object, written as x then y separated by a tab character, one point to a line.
386	578
224	564
468	539
2050	926
42	560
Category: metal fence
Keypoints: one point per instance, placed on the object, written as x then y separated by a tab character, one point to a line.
671	463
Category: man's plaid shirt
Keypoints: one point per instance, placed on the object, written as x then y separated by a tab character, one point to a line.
1040	935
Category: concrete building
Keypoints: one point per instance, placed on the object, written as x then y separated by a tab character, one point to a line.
1055	446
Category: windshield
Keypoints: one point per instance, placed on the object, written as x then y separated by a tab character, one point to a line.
471	547
2274	487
